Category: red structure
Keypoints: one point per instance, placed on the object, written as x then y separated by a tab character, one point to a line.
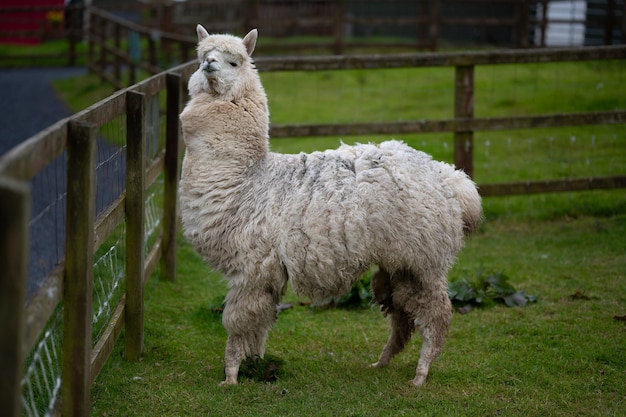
31	21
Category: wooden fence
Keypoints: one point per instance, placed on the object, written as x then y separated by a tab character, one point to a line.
72	281
464	124
116	45
118	48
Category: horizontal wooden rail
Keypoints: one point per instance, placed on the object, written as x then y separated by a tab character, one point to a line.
173	37
102	350
25	160
450	125
41	306
440	59
552	186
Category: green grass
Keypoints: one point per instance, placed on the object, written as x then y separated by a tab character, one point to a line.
555	357
82	91
54	53
559	356
427	93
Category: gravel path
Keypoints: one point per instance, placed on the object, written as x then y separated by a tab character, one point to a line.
28	103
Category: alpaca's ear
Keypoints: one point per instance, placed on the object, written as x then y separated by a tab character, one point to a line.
202	33
249	41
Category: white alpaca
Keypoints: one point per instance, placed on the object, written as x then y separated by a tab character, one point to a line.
317	220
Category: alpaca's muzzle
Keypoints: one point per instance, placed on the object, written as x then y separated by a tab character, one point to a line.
209	66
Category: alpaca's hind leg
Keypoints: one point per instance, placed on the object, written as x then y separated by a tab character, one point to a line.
401	330
433	317
402	326
248	316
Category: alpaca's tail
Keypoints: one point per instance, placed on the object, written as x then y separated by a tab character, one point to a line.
466	192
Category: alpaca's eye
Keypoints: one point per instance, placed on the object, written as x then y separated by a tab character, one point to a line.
233	64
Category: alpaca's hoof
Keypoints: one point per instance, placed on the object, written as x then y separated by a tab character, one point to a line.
418	381
227	382
378	364
231	377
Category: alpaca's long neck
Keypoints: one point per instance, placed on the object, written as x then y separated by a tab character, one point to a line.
227	132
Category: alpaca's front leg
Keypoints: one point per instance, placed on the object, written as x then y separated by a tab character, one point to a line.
249	314
235	353
239	347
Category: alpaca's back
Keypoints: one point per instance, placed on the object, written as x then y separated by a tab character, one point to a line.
341	211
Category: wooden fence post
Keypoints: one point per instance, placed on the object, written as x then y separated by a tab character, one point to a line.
78	284
521	27
152	50
339	17
102	29
117	62
73	25
15	215
544	22
609	22
171	174
435	23
464	109
91	43
135	221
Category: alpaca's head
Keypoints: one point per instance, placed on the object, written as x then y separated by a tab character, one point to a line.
226	67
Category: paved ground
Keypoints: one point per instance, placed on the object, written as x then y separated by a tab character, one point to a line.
28	103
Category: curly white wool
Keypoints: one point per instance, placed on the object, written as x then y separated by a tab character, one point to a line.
318	220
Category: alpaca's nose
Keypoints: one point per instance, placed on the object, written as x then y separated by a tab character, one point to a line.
210	64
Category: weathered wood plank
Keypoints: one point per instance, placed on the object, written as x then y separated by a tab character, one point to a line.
464	109
148	32
171	175
438	59
135	221
152	260
102	350
155	168
450	125
153	85
552	186
108	220
105	110
78	286
15	214
31	156
41	306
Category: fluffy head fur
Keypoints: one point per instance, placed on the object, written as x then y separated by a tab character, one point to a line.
317	220
224	59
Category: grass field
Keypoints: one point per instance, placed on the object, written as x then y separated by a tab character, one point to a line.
54	53
561	356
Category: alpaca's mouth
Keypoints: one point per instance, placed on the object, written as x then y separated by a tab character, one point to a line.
209	67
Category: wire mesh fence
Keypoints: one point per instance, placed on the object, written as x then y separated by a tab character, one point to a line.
47	247
43	365
42	377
